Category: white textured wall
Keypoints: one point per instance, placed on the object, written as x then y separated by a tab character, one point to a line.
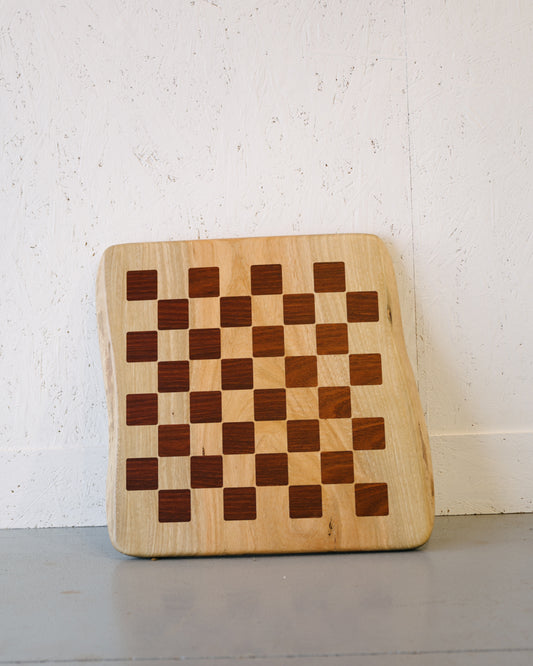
131	121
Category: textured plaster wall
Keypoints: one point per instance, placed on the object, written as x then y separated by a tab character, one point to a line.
159	120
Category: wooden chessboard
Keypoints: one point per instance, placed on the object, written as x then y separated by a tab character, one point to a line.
260	399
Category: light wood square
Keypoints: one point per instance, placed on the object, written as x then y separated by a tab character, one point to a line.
140	315
173	345
204	313
236	342
300	340
330	308
173	408
269	372
239	471
304	468
296	280
333	370
141	442
237	405
271	437
302	403
206	439
141	377
267	310
336	435
272	501
174	473
207	506
204	375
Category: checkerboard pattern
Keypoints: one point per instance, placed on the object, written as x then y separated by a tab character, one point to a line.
274	380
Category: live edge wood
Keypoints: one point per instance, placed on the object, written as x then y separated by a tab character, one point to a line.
260	399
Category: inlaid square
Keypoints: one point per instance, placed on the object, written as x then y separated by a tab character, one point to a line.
204	282
271	469
270	405
268	341
235	311
337	467
298	309
334	402
240	504
371	499
174	440
206	471
141	474
365	369
238	438
362	306
305	501
174	506
141	346
141	285
329	276
172	376
172	314
266	279
332	338
303	435
368	434
205	406
141	409
204	343
237	373
300	371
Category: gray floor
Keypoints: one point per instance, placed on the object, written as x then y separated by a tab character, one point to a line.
66	597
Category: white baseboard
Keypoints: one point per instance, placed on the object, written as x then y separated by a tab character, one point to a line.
482	473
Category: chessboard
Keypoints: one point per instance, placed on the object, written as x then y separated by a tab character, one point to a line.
260	399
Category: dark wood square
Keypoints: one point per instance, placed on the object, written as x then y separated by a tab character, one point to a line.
337	466
329	276
362	306
172	376
303	435
204	343
371	499
206	471
205	406
301	371
368	434
271	469
141	409
238	438
174	506
334	402
142	474
305	501
141	285
332	338
299	309
173	314
270	405
235	311
204	282
266	279
365	369
174	440
141	346
237	373
268	341
239	504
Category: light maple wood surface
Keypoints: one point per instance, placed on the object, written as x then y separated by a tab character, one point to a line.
404	464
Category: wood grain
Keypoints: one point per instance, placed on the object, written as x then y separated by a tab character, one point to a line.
262	330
